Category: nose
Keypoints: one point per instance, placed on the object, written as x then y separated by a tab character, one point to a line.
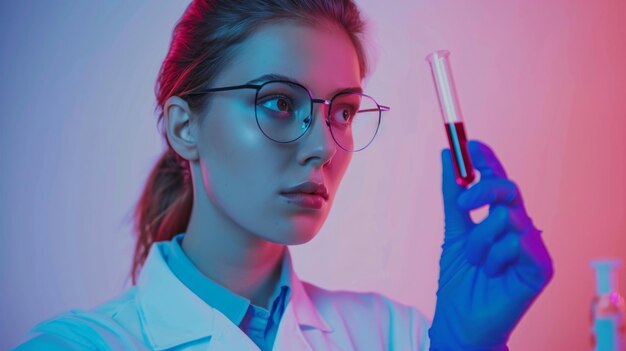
318	143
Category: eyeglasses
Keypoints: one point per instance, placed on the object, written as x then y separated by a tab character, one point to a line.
284	112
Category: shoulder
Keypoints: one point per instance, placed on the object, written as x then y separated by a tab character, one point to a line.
107	326
121	311
374	311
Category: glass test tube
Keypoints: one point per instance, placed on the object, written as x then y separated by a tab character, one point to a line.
452	117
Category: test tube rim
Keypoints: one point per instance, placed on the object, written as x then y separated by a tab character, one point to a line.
440	53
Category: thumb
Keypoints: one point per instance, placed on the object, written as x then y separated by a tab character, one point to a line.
457	220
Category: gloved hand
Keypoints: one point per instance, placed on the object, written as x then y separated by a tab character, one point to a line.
492	271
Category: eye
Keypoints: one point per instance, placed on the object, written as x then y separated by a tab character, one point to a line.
279	103
344	114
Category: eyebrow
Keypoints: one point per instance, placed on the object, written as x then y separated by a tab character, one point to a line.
276	76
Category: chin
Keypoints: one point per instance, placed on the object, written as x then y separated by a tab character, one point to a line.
294	229
300	239
293	237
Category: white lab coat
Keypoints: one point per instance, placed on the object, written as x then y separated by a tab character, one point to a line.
161	313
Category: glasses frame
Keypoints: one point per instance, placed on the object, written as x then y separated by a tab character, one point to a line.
313	100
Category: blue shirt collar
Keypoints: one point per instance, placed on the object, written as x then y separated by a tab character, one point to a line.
233	306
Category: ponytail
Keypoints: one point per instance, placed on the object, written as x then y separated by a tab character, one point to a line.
164	208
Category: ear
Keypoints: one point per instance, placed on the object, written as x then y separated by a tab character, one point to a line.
181	128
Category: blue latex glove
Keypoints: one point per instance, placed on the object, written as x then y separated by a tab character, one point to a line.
492	271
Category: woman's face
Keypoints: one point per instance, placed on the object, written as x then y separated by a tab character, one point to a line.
243	172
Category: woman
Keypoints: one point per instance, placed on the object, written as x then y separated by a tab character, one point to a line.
258	102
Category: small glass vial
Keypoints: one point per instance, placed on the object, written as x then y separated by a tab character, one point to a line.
608	310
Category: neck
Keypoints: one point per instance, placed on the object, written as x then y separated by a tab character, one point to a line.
231	256
251	274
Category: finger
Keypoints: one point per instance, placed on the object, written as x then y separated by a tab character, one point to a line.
535	266
489	192
457	220
503	253
485	160
485	233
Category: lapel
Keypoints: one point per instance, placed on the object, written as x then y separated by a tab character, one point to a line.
300	312
303	308
170	314
228	336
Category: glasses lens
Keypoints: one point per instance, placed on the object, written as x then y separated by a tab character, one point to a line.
354	120
283	111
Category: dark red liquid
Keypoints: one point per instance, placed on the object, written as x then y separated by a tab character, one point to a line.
460	155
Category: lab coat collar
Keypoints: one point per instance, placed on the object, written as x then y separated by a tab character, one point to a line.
171	314
305	310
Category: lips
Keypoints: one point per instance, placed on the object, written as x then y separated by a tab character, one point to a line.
308	188
305	200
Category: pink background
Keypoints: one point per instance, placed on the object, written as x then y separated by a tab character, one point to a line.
542	82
